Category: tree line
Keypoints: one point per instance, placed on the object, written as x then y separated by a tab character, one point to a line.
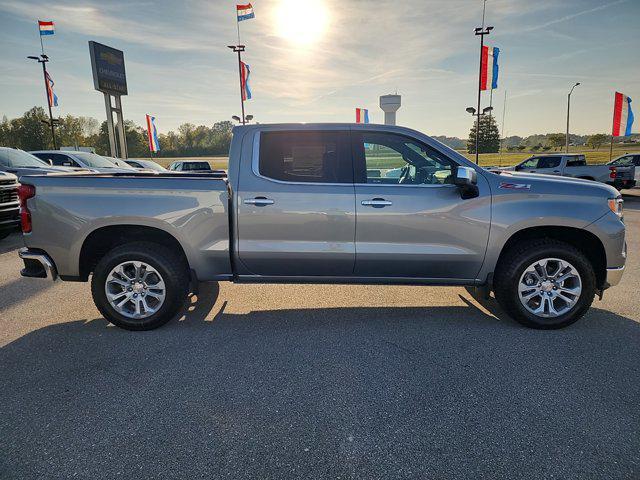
32	132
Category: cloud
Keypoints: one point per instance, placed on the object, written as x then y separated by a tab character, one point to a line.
572	16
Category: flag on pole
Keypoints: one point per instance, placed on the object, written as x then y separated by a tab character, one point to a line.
622	116
489	72
362	115
152	134
245	71
46	28
51	96
245	12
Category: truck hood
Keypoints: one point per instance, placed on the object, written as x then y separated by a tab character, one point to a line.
557	182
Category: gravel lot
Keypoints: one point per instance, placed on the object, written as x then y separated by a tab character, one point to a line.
317	382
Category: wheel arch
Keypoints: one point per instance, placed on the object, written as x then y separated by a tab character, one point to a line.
101	240
588	243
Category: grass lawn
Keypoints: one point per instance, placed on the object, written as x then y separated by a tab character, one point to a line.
486	159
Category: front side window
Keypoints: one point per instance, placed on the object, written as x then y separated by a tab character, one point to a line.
392	159
529	163
300	156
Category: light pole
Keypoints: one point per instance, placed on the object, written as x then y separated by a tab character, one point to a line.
43	59
568	109
481	32
478	114
247	118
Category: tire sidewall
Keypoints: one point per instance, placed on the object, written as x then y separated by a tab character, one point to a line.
175	291
587	279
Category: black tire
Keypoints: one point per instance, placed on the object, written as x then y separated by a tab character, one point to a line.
514	263
171	266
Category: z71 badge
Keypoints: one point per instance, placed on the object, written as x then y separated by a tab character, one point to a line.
515	186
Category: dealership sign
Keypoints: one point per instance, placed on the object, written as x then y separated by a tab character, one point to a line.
107	65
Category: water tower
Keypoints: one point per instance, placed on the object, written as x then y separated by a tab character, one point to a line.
390	105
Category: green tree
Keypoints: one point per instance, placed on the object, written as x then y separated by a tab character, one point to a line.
597	140
489	137
30	132
556	140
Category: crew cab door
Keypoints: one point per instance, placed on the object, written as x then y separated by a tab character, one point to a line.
410	219
295	206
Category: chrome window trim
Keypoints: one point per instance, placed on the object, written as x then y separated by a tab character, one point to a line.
255	167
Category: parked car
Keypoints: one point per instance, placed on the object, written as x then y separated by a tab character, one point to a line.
22	163
575	165
145	165
9	204
192	166
626	160
88	160
288	212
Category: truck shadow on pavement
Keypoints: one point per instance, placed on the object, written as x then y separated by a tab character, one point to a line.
438	392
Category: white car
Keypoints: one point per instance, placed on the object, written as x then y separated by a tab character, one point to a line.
72	158
145	165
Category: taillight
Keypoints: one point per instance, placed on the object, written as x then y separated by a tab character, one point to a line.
25	192
612	172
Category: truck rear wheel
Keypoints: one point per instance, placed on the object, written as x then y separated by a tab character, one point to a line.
140	285
545	284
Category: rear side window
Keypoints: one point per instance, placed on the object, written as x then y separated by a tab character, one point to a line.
549	162
579	161
318	157
196	166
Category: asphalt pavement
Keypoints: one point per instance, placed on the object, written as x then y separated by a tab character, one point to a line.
299	381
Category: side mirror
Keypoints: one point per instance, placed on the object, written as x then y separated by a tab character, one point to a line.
50	162
466	179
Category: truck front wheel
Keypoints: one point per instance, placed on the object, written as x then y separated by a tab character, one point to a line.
545	284
140	285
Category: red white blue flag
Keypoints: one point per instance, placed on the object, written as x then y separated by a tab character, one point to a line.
489	71
244	81
46	28
245	12
622	116
362	115
152	134
51	96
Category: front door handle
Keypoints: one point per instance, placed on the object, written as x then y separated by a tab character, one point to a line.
376	203
259	201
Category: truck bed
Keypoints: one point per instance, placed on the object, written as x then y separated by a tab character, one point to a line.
192	208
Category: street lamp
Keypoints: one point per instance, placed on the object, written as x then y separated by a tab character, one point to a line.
472	111
247	118
43	59
568	109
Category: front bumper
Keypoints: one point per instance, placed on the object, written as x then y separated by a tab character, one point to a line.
614	275
37	264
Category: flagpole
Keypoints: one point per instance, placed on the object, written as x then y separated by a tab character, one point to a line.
612	125
504	110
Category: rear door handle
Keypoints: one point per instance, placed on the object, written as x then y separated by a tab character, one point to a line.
259	201
376	203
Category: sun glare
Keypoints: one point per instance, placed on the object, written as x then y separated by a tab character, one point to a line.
301	21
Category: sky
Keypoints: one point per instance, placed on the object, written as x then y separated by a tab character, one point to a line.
317	60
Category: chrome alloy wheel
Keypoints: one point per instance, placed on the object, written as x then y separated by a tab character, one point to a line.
549	287
135	289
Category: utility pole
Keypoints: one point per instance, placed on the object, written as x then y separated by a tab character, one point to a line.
43	59
568	109
481	32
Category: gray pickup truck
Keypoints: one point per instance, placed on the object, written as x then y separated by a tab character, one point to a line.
327	203
575	165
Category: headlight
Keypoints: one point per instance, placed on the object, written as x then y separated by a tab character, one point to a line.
615	205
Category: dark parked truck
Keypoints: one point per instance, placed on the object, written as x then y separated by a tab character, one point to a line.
9	205
328	203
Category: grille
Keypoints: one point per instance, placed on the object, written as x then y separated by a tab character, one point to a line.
7	181
8	196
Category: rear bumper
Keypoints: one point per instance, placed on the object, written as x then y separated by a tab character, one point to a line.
37	264
620	183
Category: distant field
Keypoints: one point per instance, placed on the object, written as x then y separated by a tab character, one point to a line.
489	159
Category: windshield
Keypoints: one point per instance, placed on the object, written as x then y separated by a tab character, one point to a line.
153	166
93	160
20	159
